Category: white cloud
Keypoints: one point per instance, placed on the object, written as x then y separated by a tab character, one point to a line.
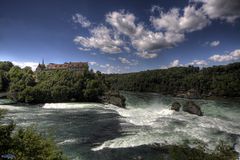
33	65
234	55
83	21
214	43
228	10
163	67
84	49
170	28
143	40
124	22
151	41
110	69
146	55
126	61
175	63
93	63
101	38
192	19
198	63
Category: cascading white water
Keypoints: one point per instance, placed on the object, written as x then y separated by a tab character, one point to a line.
145	121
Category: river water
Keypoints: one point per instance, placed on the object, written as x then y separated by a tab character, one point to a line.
92	131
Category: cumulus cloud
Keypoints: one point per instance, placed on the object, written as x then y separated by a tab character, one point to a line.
33	65
192	19
146	55
80	19
214	43
175	63
143	40
234	55
101	38
170	28
126	61
151	41
105	68
198	63
110	69
84	49
93	63
124	22
228	10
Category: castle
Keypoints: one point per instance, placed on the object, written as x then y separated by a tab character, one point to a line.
73	66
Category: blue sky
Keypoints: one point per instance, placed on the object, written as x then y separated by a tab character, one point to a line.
121	35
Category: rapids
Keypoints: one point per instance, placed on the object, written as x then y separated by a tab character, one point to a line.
88	131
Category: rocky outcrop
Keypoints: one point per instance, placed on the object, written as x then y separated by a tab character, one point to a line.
176	106
192	108
114	98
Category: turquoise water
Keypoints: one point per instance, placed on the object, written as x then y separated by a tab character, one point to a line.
90	131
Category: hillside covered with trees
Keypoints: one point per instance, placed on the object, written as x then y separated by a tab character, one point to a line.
221	81
26	86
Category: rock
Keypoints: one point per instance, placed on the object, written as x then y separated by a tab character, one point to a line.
192	108
176	106
114	98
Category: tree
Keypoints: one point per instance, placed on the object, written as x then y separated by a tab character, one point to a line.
27	143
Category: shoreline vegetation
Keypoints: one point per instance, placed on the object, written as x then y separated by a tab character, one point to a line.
190	82
51	86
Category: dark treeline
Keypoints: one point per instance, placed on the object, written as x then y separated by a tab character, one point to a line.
24	85
212	81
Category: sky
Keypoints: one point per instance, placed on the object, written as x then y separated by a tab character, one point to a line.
119	36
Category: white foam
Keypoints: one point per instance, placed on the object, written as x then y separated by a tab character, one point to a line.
68	141
12	108
157	125
141	138
140	116
70	105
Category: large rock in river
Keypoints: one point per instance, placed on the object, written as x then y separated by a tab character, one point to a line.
192	108
176	106
114	98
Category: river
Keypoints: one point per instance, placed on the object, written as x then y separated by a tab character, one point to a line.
92	131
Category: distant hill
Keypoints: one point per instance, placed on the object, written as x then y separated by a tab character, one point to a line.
220	81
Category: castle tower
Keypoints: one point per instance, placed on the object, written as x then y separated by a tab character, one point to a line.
41	67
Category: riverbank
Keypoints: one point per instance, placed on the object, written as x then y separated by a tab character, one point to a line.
112	97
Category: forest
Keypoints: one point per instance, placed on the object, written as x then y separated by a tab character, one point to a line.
219	81
26	86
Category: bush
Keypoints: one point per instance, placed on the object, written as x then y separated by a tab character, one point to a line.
27	144
183	152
